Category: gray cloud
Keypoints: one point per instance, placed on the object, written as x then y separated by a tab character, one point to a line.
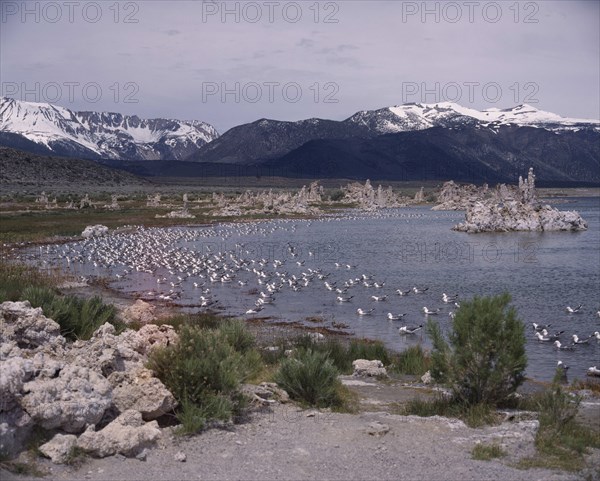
373	51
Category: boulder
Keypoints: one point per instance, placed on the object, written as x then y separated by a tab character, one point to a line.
73	399
140	391
265	393
28	327
365	368
127	435
15	428
16	371
60	448
377	429
426	378
94	231
140	312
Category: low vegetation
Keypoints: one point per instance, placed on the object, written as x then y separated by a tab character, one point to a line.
78	318
484	360
486	452
204	371
474	416
310	377
561	441
482	363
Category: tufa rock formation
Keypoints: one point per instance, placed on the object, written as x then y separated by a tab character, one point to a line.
518	210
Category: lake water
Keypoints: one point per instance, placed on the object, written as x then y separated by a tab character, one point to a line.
403	248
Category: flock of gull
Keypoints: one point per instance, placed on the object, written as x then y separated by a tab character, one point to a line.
203	266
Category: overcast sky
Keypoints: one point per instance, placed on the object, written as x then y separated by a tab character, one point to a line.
235	62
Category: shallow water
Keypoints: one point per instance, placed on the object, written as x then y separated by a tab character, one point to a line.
544	272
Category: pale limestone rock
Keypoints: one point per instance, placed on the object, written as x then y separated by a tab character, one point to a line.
459	197
364	367
59	448
94	231
426	378
77	397
140	391
180	456
140	312
15	428
127	435
28	327
377	429
518	210
16	371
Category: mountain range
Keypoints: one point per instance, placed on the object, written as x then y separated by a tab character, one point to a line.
407	142
50	129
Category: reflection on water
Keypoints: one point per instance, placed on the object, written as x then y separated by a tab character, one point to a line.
226	267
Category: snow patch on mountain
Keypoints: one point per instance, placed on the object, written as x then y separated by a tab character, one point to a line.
418	116
107	135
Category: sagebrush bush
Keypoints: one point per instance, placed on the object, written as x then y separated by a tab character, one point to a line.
484	360
204	371
310	377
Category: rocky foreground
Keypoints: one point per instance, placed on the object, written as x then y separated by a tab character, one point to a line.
98	399
506	209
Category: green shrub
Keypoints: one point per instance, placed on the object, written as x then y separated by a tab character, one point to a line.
370	350
310	377
561	441
486	452
15	278
204	371
473	415
78	318
237	335
341	354
484	361
413	361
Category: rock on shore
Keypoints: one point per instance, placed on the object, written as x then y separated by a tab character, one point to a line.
70	388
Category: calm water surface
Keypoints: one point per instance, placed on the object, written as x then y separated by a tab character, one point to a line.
403	248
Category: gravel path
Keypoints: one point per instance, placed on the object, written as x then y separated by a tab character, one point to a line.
294	444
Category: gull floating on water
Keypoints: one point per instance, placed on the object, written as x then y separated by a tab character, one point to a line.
542	338
403	293
379	298
410	329
416	290
431	313
593	371
540	327
397	317
344	299
574	310
449	299
361	312
553	337
560	347
576	339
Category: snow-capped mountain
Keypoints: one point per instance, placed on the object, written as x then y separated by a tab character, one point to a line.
268	139
47	128
415	116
